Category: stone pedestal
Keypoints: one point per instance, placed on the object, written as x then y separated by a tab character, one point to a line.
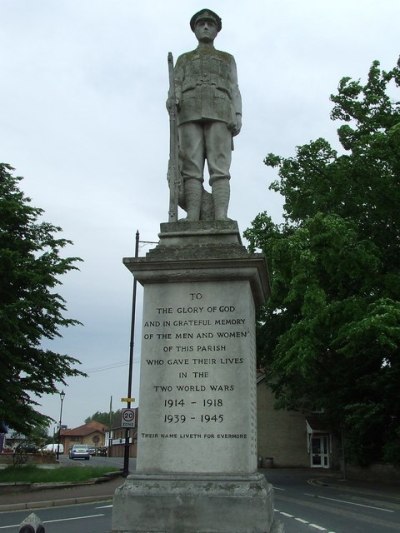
194	503
197	435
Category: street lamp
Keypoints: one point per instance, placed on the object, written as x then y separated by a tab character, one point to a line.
125	470
62	396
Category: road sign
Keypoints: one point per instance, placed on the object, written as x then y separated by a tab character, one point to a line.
127	400
128	418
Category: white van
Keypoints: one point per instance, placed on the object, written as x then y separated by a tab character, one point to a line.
53	448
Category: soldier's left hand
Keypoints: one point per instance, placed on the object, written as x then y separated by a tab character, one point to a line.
238	126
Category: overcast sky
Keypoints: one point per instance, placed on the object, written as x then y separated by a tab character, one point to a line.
83	120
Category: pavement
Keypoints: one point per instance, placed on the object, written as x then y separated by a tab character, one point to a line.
362	488
51	495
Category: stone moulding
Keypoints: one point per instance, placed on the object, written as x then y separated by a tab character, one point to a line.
198	251
251	268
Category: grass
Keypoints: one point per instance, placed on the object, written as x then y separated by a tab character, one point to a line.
33	474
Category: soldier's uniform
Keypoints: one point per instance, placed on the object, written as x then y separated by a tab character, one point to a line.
209	98
209	102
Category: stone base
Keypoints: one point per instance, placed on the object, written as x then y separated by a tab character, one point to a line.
220	238
177	503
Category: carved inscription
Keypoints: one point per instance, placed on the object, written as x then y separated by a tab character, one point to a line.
195	356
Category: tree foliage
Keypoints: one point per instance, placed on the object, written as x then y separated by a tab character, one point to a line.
30	309
113	418
330	334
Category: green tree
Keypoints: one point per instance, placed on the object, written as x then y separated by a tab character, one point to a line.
40	435
30	310
330	334
104	418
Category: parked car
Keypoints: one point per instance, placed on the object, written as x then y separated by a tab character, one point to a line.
79	451
52	448
102	451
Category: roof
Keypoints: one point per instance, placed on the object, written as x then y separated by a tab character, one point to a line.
85	429
316	425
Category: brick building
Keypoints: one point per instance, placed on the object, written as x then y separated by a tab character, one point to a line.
115	439
92	434
115	442
291	438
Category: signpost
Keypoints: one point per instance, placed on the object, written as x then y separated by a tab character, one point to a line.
128	418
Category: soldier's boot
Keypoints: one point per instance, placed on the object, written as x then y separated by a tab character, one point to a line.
221	193
193	191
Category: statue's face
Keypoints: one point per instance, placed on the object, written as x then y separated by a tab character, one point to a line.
205	30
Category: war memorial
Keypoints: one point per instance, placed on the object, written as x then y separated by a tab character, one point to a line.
197	434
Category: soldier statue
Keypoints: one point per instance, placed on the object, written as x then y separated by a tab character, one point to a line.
209	114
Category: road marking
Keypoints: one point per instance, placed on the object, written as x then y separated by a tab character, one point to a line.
73	518
104	506
277	488
349	503
301	520
59	520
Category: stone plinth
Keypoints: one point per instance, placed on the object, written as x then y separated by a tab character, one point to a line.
197	435
201	503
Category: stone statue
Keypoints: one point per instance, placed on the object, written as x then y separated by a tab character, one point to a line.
208	114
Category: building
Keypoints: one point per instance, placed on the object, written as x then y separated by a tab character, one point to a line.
291	438
92	434
115	438
115	441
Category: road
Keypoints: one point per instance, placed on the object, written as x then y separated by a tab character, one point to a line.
115	463
88	518
302	503
306	506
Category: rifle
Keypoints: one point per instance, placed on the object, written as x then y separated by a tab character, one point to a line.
174	176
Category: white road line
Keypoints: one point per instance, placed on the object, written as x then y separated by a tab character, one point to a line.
73	518
104	506
302	521
350	503
53	521
277	488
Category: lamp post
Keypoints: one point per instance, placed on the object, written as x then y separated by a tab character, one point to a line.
125	470
62	396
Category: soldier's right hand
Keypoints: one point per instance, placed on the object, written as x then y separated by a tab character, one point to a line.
171	103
